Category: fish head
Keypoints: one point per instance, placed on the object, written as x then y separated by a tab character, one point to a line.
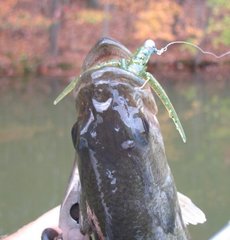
113	100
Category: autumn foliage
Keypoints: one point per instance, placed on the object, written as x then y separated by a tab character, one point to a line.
153	22
50	37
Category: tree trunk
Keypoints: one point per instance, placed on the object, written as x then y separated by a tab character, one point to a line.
93	3
202	15
53	38
55	14
106	23
177	19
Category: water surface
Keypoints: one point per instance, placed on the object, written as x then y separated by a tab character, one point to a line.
36	151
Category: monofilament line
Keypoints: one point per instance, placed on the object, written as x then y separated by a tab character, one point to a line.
164	49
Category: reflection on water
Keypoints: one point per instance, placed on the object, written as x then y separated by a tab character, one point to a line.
36	152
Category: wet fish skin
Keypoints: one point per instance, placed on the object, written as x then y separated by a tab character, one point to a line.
127	189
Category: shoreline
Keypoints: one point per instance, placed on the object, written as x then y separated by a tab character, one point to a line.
64	69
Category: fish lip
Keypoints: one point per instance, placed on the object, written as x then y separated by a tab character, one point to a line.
96	77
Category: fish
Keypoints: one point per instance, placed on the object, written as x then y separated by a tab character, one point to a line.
121	186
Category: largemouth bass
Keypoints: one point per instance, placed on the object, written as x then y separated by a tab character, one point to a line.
125	189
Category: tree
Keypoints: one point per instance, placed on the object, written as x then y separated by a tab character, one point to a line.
93	3
220	21
157	20
55	15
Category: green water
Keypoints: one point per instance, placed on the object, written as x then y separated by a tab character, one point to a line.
36	152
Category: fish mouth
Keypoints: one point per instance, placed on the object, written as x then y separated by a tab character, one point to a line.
108	75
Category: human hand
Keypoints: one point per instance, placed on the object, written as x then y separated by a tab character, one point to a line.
34	230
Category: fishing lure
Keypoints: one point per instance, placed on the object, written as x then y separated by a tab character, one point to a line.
134	63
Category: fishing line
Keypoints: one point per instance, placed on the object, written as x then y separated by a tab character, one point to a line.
164	49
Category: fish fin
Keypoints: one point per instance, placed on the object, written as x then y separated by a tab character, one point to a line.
191	214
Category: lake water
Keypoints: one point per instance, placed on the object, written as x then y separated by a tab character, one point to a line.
36	151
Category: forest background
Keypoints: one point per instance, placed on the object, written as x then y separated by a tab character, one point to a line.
51	37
